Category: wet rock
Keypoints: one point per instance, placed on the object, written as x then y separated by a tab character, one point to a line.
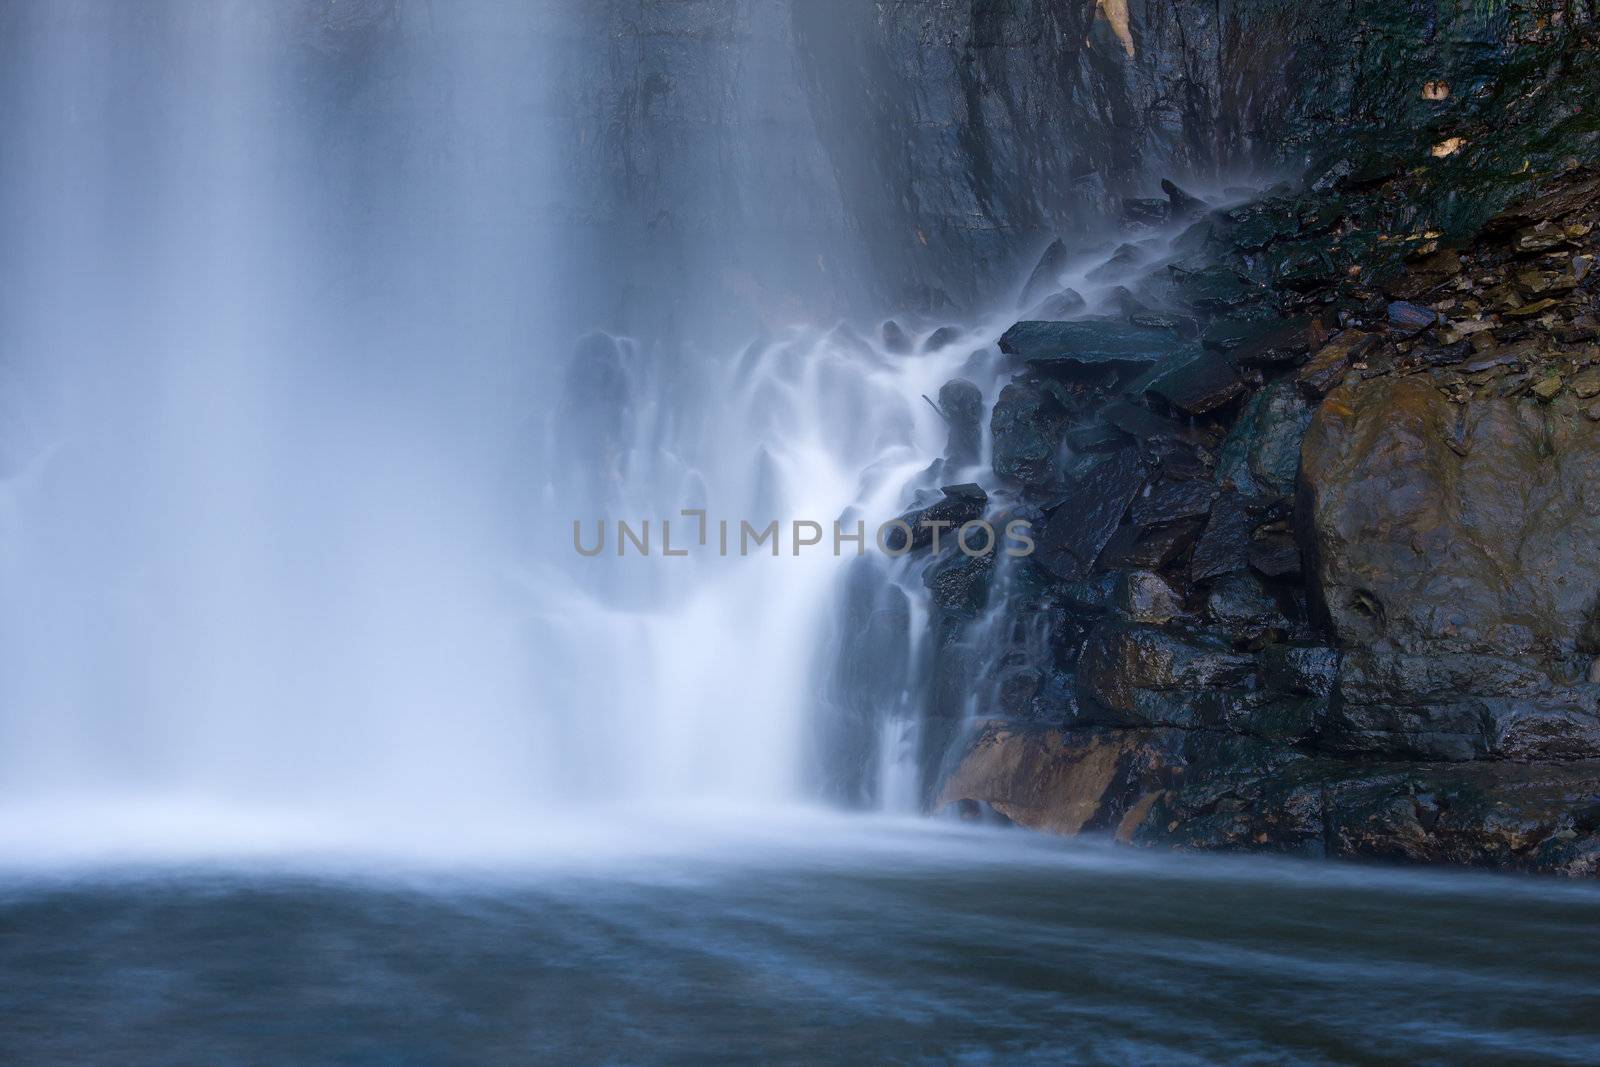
1203	384
1459	707
961	403
1165	502
1329	364
1261	222
1181	205
1146	211
1243	609
1485	545
1095	594
1026	427
1135	675
960	504
1143	596
1278	343
1275	553
1146	426
1309	670
1215	288
960	583
1121	263
895	339
1096	496
1261	455
1200	789
1046	274
942	338
1409	318
1058	306
1090	345
1151	549
1224	546
1095	437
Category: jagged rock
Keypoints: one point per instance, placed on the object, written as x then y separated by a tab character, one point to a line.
1408	318
1309	670
1241	606
1094	594
1046	274
1058	306
1136	675
1121	263
1095	437
1152	549
1485	545
1096	496
1328	364
1280	343
1261	222
1198	789
1275	553
1026	427
1215	288
1205	383
1147	426
1261	456
1181	205
961	403
1146	211
1164	503
1224	547
1093	345
960	504
1143	596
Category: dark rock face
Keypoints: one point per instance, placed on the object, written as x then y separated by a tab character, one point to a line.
1334	589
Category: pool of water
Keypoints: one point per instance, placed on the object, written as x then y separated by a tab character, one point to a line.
807	942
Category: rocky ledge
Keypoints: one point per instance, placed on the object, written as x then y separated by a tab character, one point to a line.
1319	536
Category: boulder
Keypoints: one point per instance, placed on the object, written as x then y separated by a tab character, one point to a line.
1470	528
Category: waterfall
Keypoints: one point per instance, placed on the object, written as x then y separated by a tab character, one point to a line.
253	554
323	338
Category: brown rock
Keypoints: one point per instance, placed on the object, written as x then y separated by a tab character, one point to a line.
1408	539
